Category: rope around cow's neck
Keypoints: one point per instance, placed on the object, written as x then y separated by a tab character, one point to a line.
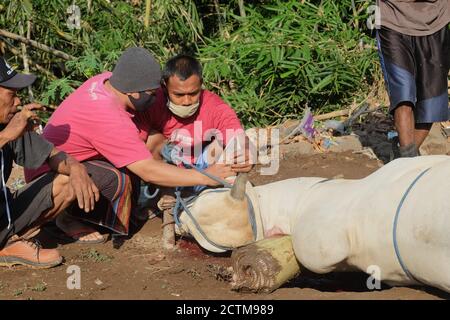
184	205
181	203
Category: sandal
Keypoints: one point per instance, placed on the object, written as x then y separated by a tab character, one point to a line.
57	233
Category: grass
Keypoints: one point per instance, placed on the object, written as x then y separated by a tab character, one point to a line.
40	287
18	292
287	55
95	256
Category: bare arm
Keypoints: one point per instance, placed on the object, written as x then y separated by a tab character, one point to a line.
155	143
163	174
63	163
3	139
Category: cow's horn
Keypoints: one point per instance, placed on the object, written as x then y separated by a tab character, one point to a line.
238	190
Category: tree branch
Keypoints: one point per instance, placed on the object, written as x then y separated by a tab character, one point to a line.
36	45
40	68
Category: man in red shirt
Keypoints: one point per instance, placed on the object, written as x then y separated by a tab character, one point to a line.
96	125
194	119
195	122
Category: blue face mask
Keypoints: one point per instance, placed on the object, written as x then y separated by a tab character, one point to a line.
144	101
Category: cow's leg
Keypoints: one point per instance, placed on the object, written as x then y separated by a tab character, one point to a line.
166	204
319	247
265	265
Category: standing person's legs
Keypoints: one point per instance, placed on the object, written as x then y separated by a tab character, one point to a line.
415	70
405	126
33	206
398	65
432	54
411	135
421	132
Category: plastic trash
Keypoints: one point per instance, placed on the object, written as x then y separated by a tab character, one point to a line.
307	125
327	143
335	125
392	134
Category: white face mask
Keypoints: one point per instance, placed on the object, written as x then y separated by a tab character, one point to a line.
182	111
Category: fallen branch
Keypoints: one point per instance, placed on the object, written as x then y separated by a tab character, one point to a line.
36	45
241	8
26	65
148	5
40	68
334	114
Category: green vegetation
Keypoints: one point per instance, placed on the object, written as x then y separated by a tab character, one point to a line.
40	287
18	292
95	256
268	63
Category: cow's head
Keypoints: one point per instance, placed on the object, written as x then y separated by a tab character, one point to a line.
223	217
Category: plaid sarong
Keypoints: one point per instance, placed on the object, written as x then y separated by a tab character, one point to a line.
118	194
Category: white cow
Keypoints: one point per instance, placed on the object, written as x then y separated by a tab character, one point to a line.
397	218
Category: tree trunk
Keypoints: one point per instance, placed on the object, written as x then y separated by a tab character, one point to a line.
265	265
241	8
36	45
26	66
148	4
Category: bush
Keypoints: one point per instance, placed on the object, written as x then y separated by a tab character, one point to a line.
268	65
286	55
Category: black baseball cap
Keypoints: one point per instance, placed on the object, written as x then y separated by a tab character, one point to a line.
9	78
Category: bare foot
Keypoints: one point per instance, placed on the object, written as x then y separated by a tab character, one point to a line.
77	230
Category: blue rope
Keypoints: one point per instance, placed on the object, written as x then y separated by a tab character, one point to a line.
147	193
394	232
168	153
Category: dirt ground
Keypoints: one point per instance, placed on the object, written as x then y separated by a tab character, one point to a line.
137	268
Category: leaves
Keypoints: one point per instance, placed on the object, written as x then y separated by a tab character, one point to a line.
58	90
268	65
287	54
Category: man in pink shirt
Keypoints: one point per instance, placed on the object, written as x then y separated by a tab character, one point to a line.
192	123
96	125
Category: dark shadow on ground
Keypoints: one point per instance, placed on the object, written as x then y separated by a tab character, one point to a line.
373	132
333	282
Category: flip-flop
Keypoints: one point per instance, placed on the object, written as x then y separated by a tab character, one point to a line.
53	230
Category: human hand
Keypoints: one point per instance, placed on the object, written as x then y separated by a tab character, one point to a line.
83	187
221	171
242	162
20	121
